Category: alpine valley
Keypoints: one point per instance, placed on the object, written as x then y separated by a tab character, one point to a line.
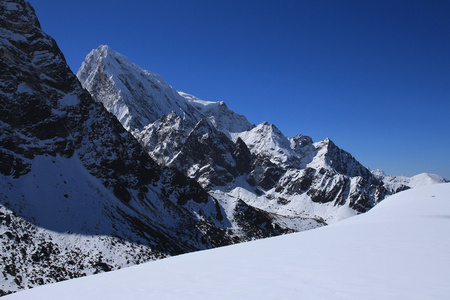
116	167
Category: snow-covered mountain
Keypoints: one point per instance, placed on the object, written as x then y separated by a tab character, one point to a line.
235	161
81	194
78	194
399	249
139	97
399	183
149	107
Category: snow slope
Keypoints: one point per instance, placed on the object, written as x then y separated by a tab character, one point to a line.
399	249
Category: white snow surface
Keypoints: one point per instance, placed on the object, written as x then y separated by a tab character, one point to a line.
399	249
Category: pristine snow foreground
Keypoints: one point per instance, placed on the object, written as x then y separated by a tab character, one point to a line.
399	249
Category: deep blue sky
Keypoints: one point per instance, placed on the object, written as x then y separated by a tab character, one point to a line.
374	76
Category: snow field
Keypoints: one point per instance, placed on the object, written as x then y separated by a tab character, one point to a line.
399	249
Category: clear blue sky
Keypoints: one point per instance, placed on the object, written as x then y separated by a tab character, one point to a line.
374	76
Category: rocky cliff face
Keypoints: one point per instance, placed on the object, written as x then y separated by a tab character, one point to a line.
78	194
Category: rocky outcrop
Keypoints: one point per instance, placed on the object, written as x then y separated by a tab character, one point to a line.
210	157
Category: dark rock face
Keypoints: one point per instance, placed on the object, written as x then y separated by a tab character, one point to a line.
243	157
32	256
341	180
256	223
344	163
337	192
265	173
369	190
210	157
301	184
25	105
165	138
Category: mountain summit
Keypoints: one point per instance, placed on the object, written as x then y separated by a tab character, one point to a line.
138	97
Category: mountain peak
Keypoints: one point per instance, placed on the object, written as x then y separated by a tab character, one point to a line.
138	97
105	51
135	96
204	125
328	141
105	48
378	173
266	126
104	56
267	140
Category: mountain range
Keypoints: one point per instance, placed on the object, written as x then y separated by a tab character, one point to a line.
115	167
230	157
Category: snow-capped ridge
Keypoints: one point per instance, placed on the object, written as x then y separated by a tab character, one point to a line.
136	96
139	97
220	115
399	183
268	141
378	173
423	179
